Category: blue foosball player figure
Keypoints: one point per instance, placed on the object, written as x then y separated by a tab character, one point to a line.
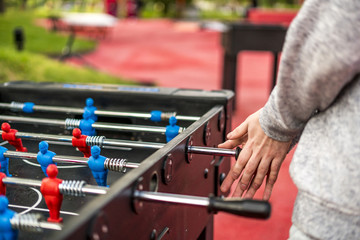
86	124
172	130
4	162
96	164
90	106
6	231
45	157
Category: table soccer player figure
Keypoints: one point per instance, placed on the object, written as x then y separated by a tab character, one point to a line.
50	190
8	134
86	124
90	106
6	230
96	164
172	130
2	185
4	162
79	141
45	156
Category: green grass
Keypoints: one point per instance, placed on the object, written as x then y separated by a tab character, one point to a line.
33	64
35	67
222	16
37	39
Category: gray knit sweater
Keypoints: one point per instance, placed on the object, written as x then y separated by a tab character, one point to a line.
318	95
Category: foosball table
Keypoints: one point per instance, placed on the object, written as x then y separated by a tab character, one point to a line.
98	162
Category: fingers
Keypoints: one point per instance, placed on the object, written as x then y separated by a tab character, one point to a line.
238	132
257	181
247	176
236	170
271	178
236	137
230	144
261	156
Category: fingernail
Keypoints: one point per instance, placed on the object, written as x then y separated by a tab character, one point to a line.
224	188
229	135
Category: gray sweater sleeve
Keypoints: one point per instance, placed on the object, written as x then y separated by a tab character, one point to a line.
321	55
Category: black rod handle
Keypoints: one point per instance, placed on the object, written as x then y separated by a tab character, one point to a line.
237	152
241	207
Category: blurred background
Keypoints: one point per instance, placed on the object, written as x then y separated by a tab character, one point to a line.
164	43
36	33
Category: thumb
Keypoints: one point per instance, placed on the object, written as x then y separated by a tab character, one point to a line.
238	132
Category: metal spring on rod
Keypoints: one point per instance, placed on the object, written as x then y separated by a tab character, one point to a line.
167	115
27	222
72	187
16	106
115	164
71	123
95	140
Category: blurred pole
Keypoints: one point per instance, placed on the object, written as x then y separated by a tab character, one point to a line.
254	3
23	4
180	6
2	6
19	38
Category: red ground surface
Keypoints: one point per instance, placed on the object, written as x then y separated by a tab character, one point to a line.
175	54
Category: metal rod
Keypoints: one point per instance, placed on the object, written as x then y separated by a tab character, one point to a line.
76	123
40	108
86	189
43	137
105	142
142	115
212	151
69	159
105	113
50	226
32	222
44	121
112	164
129	128
132	165
186	118
94	190
56	158
172	198
21	181
241	207
122	114
133	144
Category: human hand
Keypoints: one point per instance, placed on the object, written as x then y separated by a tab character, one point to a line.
260	156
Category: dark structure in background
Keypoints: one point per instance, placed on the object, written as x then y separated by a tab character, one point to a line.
241	36
19	38
2	6
254	3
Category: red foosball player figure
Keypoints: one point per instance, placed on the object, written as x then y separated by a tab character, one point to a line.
79	141
2	185
8	134
50	190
